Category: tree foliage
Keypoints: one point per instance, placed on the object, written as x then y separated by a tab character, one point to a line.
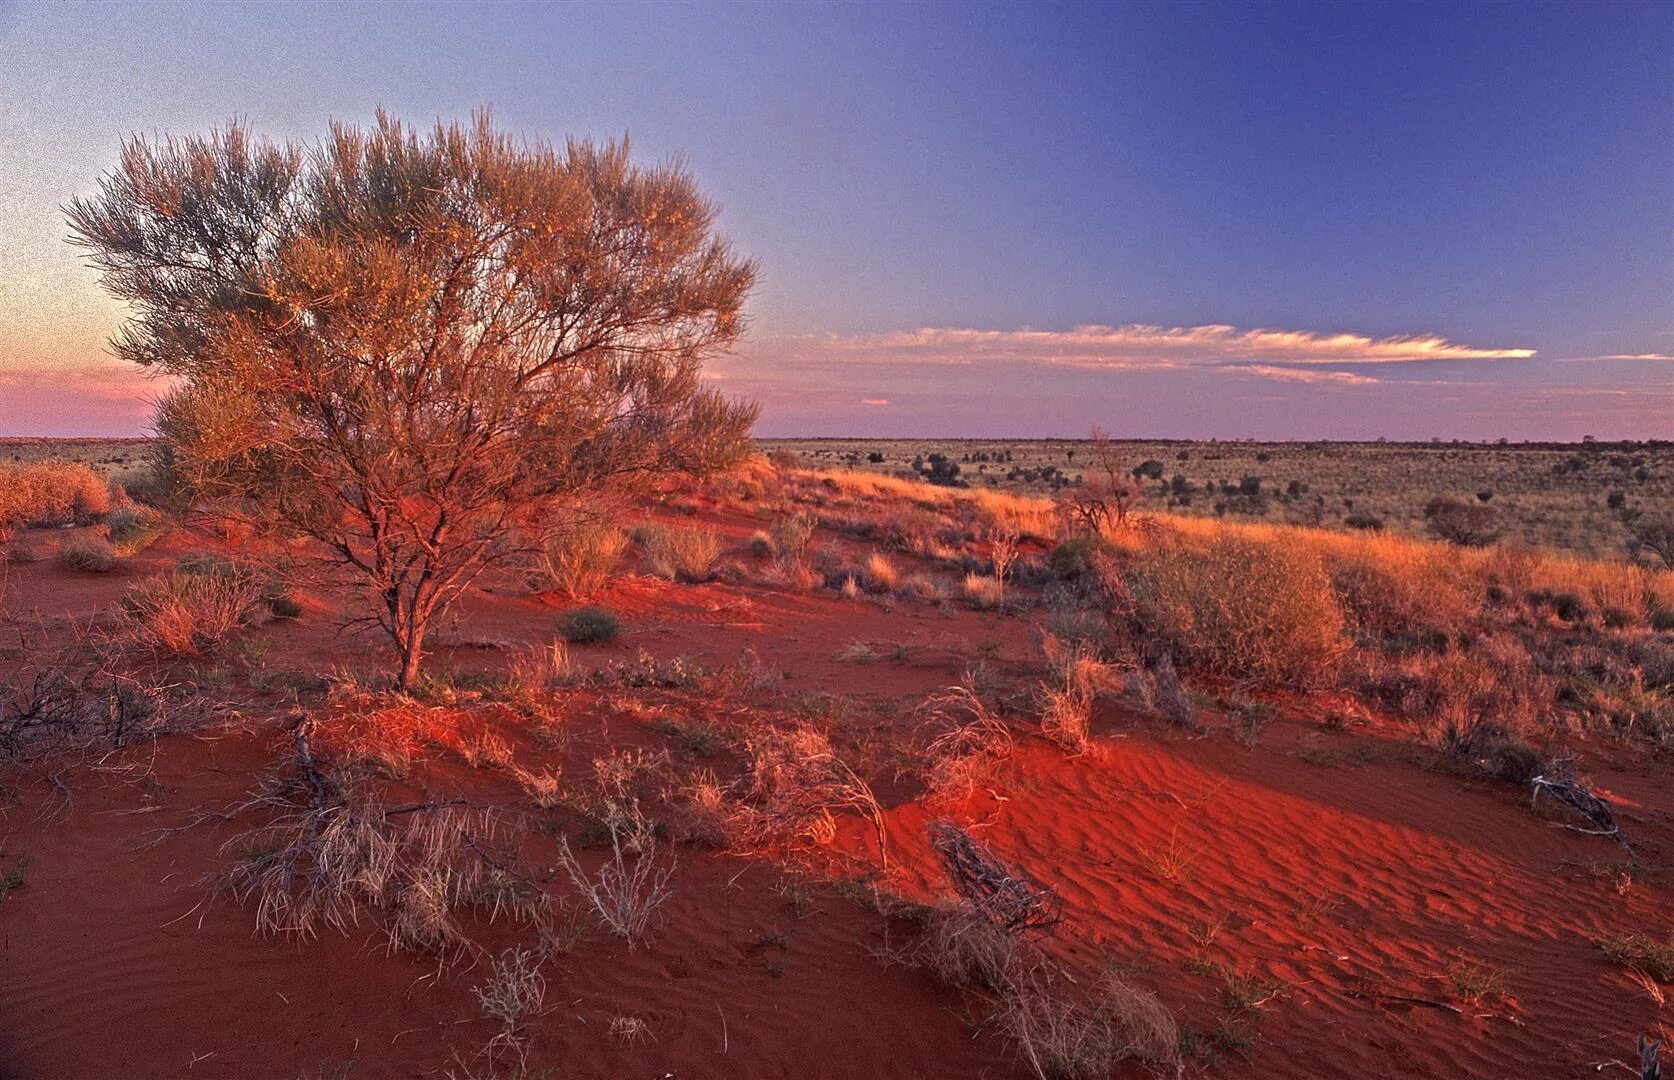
423	352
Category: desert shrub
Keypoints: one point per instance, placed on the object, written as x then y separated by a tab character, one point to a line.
188	614
791	536
578	561
1242	608
796	781
1459	522
968	743
1410	599
1075	557
50	493
88	553
1064	1038
1364	522
1492	749
132	527
878	575
590	623
680	554
1642	952
982	592
1066	716
1662	619
964	948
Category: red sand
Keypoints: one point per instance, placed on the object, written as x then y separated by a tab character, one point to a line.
1352	879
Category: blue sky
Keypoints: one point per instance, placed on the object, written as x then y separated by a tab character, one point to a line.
941	195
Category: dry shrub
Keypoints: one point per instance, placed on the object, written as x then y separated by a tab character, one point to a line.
968	745
514	990
1066	716
879	575
982	592
50	493
186	613
327	853
1242	608
680	554
791	536
1064	1038
88	553
132	528
542	668
698	812
577	562
627	890
796	781
965	949
1414	599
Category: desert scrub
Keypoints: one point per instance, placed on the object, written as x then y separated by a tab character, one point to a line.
590	623
577	562
132	528
680	554
1063	1038
190	613
1242	608
982	592
50	493
88	553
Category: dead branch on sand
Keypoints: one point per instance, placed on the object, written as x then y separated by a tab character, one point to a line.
1005	895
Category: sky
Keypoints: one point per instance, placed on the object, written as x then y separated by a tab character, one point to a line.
1274	221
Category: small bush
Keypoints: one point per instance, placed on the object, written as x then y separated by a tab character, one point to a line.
1074	558
678	554
50	493
982	592
1662	619
965	949
89	554
590	623
1460	522
879	575
1066	1039
1641	952
1242	608
577	562
132	528
190	614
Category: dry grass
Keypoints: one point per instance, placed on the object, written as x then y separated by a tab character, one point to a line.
982	592
964	948
796	782
679	554
1062	1037
967	747
577	562
626	891
88	553
190	613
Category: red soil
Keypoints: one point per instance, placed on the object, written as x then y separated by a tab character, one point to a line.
1337	865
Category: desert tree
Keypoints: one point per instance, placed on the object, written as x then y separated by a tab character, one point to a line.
424	352
1103	499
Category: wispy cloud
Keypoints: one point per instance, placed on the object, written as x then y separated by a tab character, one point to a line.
1142	347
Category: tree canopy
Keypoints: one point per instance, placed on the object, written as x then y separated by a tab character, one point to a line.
423	351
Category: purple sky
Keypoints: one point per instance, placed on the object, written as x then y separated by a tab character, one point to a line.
1261	221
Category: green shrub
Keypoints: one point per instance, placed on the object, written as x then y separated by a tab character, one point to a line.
590	623
1074	558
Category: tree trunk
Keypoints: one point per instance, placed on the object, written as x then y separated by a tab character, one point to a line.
412	654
